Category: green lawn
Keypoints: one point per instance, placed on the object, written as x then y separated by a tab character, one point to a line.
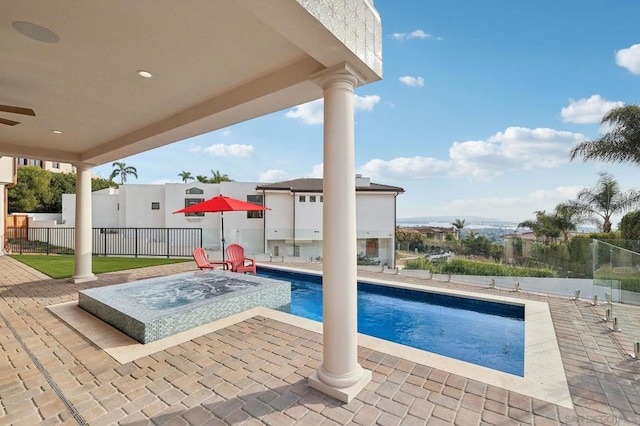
62	266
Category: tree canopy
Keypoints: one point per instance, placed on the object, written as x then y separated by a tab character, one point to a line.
216	177
621	144
40	191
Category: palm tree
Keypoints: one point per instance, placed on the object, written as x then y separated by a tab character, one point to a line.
185	176
202	179
621	144
459	224
122	170
544	225
598	204
566	219
219	177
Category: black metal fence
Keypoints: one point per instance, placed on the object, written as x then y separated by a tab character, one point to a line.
168	242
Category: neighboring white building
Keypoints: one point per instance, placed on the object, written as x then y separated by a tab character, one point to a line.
7	176
292	226
50	166
296	229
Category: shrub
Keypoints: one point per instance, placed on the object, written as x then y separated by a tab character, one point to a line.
487	268
363	259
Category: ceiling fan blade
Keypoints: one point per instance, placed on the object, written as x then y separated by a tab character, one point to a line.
17	110
8	122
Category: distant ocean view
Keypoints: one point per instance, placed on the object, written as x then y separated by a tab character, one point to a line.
445	222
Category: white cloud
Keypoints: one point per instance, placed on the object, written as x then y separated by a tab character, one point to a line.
274	176
222	150
196	149
365	103
629	58
409	81
518	208
313	112
309	113
226	132
516	148
588	110
403	168
417	34
317	170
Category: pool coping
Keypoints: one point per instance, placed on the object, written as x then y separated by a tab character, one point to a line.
544	378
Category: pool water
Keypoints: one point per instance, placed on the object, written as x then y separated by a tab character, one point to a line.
490	334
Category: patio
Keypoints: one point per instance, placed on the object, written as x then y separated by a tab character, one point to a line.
255	371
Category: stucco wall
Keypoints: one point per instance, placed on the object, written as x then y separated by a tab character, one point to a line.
6	169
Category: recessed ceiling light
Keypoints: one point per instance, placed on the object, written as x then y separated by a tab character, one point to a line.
36	32
145	74
57	132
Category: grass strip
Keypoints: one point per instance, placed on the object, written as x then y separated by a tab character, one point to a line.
63	266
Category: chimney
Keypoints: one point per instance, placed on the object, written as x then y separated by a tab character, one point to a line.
362	181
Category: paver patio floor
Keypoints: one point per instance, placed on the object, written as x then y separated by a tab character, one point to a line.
255	371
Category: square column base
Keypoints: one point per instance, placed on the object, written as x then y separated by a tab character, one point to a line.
342	394
82	279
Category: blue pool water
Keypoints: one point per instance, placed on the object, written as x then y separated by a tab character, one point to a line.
481	332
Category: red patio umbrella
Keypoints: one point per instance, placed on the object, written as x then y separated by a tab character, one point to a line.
221	204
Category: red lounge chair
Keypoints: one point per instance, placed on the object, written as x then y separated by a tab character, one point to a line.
239	263
202	260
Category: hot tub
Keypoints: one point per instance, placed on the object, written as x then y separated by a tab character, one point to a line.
155	308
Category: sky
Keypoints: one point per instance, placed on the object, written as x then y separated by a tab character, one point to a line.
478	108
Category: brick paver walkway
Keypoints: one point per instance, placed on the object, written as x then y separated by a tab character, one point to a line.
254	372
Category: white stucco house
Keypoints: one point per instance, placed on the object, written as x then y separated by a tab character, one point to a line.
291	228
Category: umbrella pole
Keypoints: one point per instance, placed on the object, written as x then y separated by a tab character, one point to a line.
222	225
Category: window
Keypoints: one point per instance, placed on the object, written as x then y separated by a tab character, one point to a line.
312	198
322	198
255	199
302	198
194	191
55	165
191	201
372	247
155	206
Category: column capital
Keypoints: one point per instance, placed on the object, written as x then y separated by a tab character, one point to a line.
341	72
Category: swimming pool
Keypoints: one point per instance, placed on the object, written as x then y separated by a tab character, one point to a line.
486	333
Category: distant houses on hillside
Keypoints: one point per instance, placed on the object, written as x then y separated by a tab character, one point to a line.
436	233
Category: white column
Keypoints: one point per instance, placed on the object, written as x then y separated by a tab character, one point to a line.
83	232
340	375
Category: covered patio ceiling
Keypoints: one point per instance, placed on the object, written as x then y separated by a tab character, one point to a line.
213	63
